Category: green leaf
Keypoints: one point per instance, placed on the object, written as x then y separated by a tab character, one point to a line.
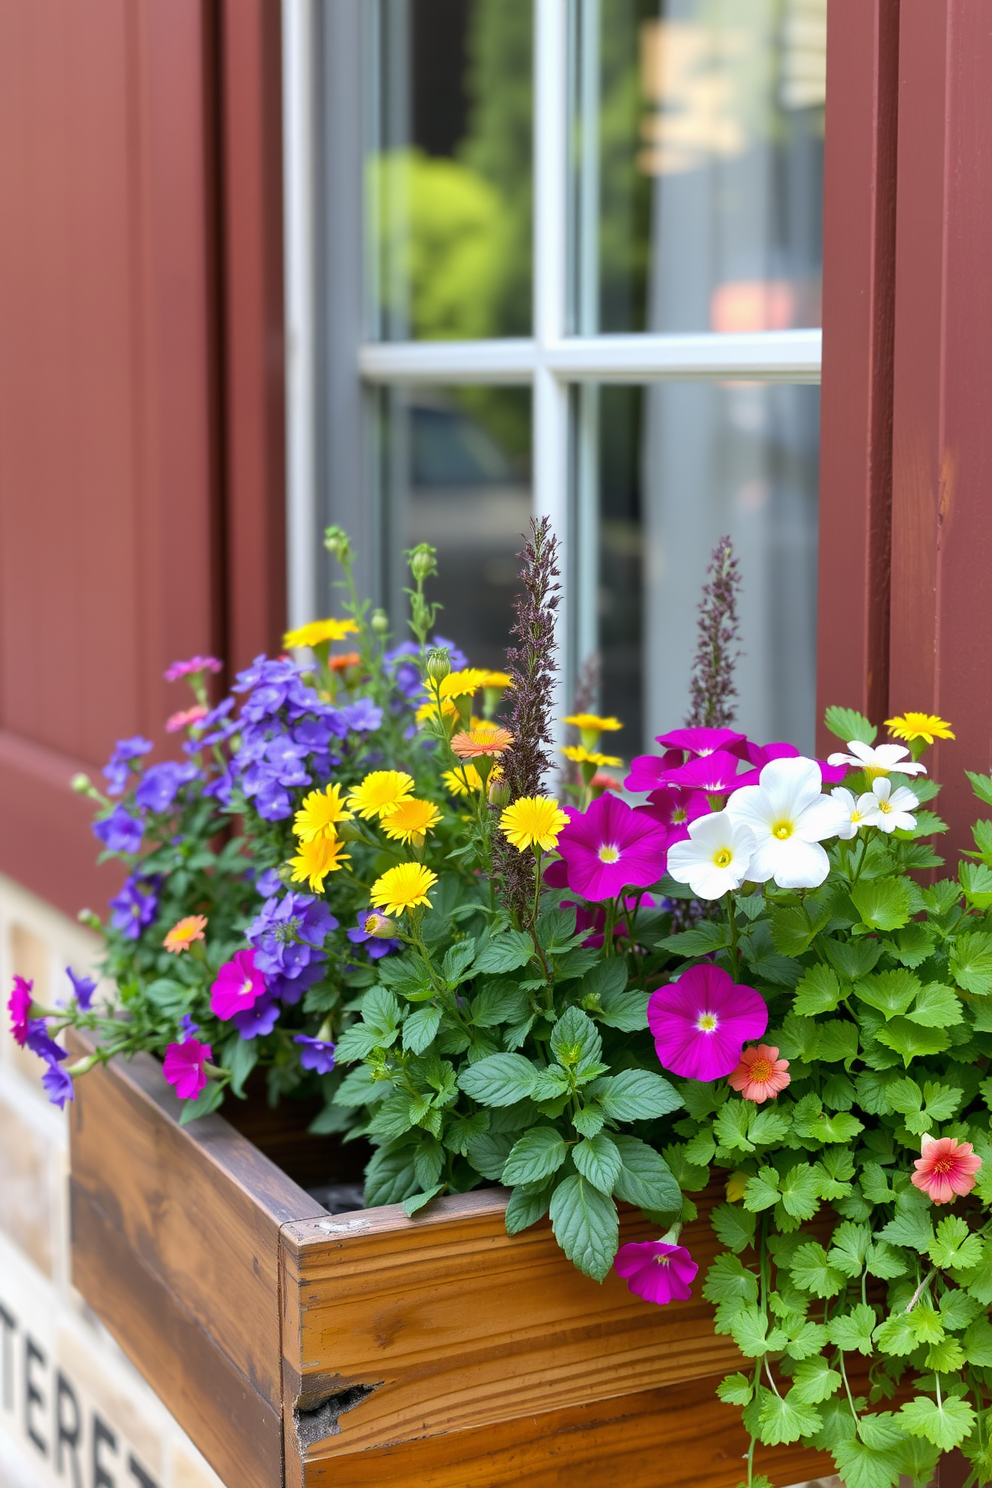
800	1192
749	1328
734	1226
838	1040
853	1331
598	1160
499	1080
912	944
792	931
852	958
811	1271
768	1127
885	1261
417	1201
971	962
527	1204
498	1002
728	1280
762	1191
381	1013
488	1152
979	1280
625	1011
891	992
537	1155
785	1419
701	940
864	1466
814	1381
390	1176
981	785
505	952
457	960
955	1245
976	882
958	1309
638	1095
945	1425
817	992
207	1101
736	1389
733	1123
798	1038
847	724
910	1226
575	1040
240	1057
937	1006
978	1343
585	1225
420	1028
849	1248
645	1179
896	1335
911	1041
882	903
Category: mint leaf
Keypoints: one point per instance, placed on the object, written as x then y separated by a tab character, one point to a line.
625	1011
598	1160
527	1204
499	1080
505	952
498	1002
585	1225
645	1179
638	1095
575	1040
420	1028
417	1201
390	1176
537	1155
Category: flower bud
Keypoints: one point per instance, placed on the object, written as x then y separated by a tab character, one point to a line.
379	622
379	926
349	831
421	560
87	917
337	543
438	663
500	794
81	784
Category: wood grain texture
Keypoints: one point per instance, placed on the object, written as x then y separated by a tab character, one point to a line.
459	1325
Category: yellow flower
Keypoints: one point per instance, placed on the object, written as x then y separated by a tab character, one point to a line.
184	932
403	887
463	780
412	818
736	1184
380	793
316	859
580	756
533	821
496	679
429	710
910	726
319	813
464	683
319	630
591	722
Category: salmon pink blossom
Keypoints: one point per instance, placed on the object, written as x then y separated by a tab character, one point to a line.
177	721
610	847
656	1271
946	1168
760	1074
237	987
183	1067
701	1022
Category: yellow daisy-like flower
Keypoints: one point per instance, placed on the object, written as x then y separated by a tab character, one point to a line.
316	859
580	756
319	630
910	726
462	781
464	683
533	821
497	679
320	812
412	818
429	710
588	722
403	887
486	740
184	932
380	793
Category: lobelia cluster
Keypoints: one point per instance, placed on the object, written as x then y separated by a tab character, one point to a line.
491	984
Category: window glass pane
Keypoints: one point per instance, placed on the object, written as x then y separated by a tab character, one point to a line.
448	173
697	142
455	466
662	473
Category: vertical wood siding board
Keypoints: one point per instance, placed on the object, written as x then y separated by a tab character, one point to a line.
856	399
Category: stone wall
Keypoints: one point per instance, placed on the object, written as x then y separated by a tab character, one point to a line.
74	1413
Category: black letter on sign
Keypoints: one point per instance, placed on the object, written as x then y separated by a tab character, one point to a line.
102	1434
32	1396
143	1480
68	1435
8	1325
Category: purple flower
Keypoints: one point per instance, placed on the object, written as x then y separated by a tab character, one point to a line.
610	847
187	1027
214	727
83	986
237	986
19	1006
376	947
703	741
715	774
183	1067
57	1084
362	717
268	883
315	1054
702	1022
289	989
119	832
656	1271
259	1019
160	785
289	934
39	1042
117	767
195	664
134	907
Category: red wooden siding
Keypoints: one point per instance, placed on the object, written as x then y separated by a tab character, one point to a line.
124	450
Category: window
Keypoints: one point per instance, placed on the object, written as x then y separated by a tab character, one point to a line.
566	257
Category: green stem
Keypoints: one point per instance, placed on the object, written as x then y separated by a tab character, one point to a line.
735	955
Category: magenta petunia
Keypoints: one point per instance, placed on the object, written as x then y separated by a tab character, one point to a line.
610	847
237	987
19	1006
701	1022
656	1271
675	809
713	774
648	771
703	741
760	755
184	1067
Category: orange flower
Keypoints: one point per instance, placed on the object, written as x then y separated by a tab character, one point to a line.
339	663
760	1074
184	932
481	741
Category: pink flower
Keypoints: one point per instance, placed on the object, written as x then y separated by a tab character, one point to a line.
760	755
703	741
610	847
178	721
713	774
760	1074
675	809
238	986
701	1022
195	664
593	920
656	1271
19	1006
183	1067
648	771
947	1167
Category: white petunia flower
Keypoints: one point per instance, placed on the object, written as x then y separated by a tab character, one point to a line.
716	858
881	760
851	806
789	817
887	808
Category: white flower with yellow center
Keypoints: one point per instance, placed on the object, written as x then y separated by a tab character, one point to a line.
886	808
716	858
790	817
881	760
854	813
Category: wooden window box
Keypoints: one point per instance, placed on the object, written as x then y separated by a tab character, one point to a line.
301	1348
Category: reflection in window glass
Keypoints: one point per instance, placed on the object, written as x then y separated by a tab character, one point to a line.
448	174
456	474
698	146
662	473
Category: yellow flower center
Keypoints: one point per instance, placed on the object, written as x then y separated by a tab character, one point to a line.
679	814
885	806
855	816
872	772
245	987
723	857
761	1070
706	1022
782	829
609	855
663	1260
